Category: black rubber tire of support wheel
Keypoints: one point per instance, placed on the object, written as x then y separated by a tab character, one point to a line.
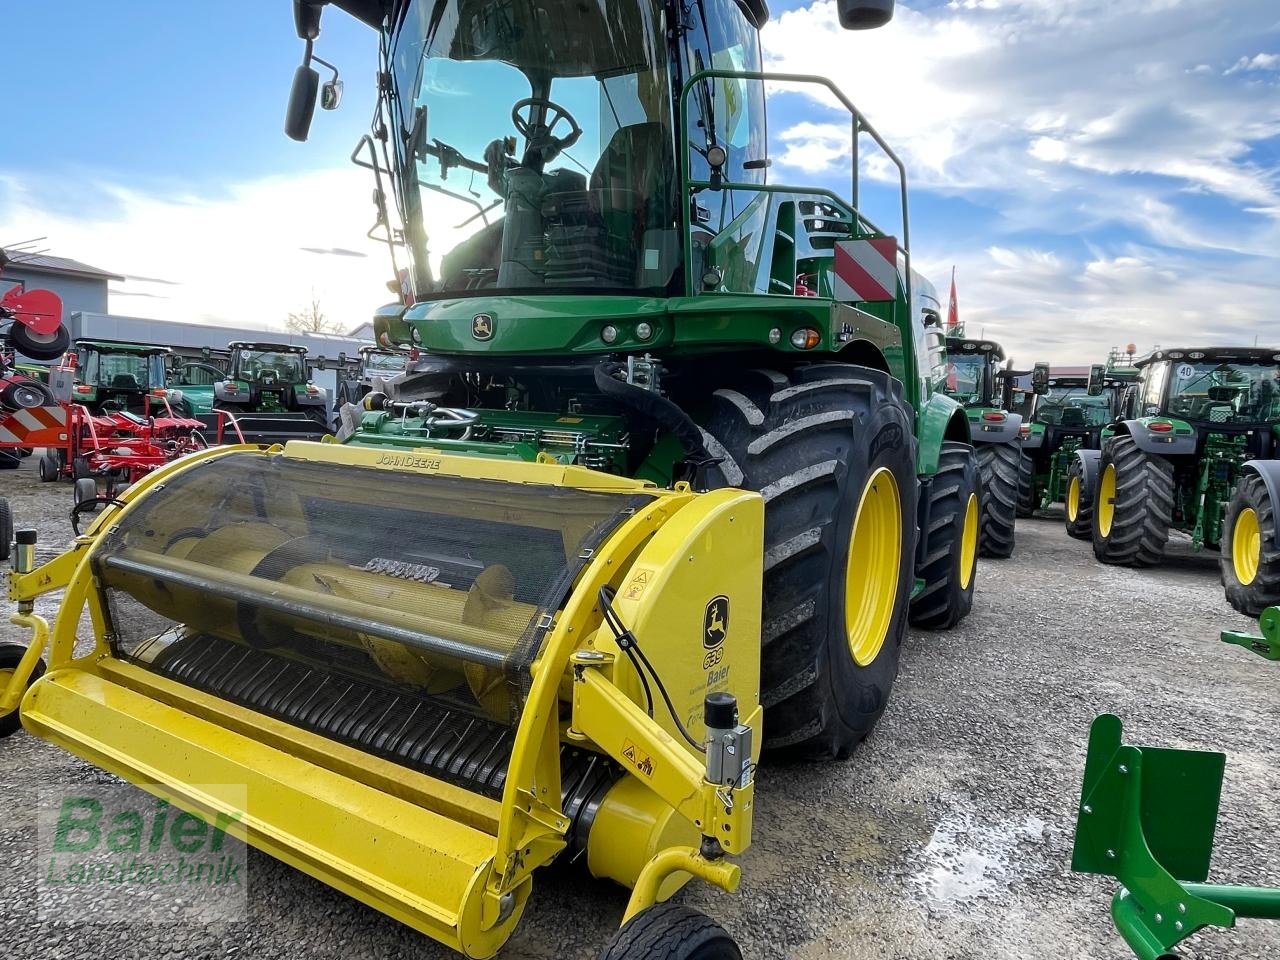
671	931
1081	527
811	443
944	602
1143	509
6	529
1264	591
1027	500
998	466
10	655
10	459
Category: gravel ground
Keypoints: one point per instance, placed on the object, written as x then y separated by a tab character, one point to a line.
948	835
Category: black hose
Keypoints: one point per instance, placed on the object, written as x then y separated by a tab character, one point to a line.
653	407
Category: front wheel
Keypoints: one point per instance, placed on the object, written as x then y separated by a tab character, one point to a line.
10	656
1077	507
949	567
1132	505
671	931
1250	558
998	465
831	450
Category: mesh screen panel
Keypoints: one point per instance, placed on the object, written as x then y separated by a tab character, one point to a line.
416	585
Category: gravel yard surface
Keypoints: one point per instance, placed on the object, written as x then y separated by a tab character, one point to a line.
947	835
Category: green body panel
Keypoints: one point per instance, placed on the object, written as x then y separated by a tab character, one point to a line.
940	418
200	398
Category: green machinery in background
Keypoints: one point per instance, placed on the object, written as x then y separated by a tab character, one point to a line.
1195	451
977	378
374	363
111	375
1147	817
1076	412
268	390
627	289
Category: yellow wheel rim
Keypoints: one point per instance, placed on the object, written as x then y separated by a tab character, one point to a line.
871	571
969	542
1107	500
1246	546
1073	499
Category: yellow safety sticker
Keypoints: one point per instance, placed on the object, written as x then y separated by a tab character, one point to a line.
638	583
643	762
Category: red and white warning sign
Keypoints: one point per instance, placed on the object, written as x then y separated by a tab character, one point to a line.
866	270
35	427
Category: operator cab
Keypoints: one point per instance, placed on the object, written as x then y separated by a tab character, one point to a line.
971	369
1232	389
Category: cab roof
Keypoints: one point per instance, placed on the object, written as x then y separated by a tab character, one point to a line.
1263	355
274	347
969	345
117	347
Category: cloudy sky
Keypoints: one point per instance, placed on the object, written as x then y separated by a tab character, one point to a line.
1097	171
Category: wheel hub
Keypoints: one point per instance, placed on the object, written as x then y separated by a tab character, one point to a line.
871	571
1107	500
1073	499
969	542
1246	546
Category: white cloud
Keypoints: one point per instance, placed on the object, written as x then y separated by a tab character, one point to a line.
1259	62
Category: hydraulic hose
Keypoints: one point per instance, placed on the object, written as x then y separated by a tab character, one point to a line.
654	407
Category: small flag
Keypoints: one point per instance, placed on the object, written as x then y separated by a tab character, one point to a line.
953	309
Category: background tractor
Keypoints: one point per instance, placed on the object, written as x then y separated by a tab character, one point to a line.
1195	451
1076	412
268	390
374	363
116	376
977	379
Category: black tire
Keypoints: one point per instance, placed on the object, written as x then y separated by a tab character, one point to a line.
812	443
10	655
86	489
49	467
671	931
25	452
10	459
6	529
39	347
998	467
1027	499
948	574
1263	589
1077	509
80	469
1142	505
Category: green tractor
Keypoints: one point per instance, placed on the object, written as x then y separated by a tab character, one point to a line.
1148	816
629	292
1195	451
1076	412
374	363
118	376
977	378
268	390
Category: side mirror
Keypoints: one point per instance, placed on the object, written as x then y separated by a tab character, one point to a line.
864	14
302	102
331	94
1040	379
306	18
1096	374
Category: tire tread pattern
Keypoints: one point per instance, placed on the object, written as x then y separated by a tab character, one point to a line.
1143	505
1264	592
942	604
671	931
998	465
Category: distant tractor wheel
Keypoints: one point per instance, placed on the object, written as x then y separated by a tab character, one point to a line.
955	511
86	489
998	466
671	931
1077	504
10	656
831	450
1132	505
1250	558
49	467
1027	500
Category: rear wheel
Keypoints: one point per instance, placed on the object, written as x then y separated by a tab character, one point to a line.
49	467
949	569
1250	558
86	489
671	931
10	656
1132	505
998	464
831	450
1077	504
1027	501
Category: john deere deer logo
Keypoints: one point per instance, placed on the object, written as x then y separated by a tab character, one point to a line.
715	622
482	326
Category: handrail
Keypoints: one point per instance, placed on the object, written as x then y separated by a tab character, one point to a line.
860	125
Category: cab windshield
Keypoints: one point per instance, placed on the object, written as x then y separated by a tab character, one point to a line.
270	366
1073	407
385	362
539	144
965	374
122	371
1225	392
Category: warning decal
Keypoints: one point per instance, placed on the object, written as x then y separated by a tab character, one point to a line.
642	761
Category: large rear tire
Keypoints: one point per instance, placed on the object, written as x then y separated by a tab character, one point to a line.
1027	500
998	467
1132	505
671	931
832	451
1077	510
949	570
1250	558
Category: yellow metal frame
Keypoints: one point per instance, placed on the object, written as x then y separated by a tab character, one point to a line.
371	828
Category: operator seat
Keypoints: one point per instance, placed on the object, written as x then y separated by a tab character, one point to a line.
125	381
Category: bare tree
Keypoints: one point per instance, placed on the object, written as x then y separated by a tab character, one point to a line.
311	319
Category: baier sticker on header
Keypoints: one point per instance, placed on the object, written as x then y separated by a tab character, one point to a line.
1186	371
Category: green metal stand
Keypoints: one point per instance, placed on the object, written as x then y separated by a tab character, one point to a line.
1267	645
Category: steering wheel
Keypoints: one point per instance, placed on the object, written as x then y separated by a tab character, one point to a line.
553	111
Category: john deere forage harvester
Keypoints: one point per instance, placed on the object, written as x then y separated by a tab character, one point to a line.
1195	451
529	633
